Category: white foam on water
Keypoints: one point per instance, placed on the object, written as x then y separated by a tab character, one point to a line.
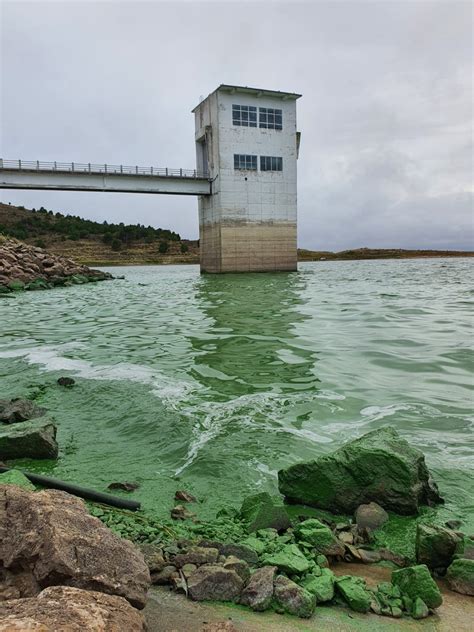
53	358
379	412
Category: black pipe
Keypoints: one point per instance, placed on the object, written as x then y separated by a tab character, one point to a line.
82	492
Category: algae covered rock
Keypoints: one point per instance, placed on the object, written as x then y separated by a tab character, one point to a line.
35	439
380	466
262	511
460	576
15	477
259	591
293	599
354	593
419	609
321	586
436	546
416	581
289	559
321	538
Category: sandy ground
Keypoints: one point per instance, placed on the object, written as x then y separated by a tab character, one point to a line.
169	612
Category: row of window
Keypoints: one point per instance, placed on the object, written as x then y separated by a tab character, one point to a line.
267	163
246	116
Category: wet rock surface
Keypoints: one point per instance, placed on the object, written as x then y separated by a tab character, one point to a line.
212	582
51	535
34	439
72	609
292	598
370	516
262	511
25	267
16	410
436	546
379	467
416	581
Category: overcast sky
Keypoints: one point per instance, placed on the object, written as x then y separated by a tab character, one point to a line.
386	154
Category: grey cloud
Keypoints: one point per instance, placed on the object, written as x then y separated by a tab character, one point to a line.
386	113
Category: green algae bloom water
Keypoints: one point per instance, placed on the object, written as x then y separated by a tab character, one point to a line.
213	383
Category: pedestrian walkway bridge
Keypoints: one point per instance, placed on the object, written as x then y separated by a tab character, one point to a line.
74	176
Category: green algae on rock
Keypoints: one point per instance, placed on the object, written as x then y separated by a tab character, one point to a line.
321	586
289	559
15	477
380	466
354	592
436	546
262	511
416	581
460	576
320	537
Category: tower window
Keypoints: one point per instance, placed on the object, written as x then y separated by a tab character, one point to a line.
269	118
271	163
244	115
243	161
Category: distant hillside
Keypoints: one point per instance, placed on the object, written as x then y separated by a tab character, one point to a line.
95	243
87	241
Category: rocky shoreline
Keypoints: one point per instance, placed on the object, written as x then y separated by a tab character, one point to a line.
271	554
25	267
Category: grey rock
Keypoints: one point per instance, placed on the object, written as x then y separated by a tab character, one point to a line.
163	577
259	591
370	516
196	555
239	566
214	583
35	439
292	598
17	410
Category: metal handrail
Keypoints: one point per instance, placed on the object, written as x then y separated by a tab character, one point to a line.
99	169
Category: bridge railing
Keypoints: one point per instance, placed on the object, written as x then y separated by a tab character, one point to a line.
98	169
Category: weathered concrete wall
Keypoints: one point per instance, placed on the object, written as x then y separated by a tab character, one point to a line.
249	221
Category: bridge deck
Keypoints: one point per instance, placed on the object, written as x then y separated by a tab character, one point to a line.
60	176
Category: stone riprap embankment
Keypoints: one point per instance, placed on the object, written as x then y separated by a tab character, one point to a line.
25	267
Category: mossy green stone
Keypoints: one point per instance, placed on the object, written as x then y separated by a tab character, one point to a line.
261	511
16	285
436	546
380	466
416	581
419	609
290	560
37	284
255	544
460	576
354	593
320	537
322	586
15	477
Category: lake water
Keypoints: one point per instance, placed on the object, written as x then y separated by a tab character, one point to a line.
213	383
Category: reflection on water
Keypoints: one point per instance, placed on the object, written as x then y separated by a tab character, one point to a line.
250	344
221	380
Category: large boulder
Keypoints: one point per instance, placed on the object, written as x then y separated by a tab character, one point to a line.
293	599
416	581
16	410
460	576
35	439
380	466
51	535
321	538
72	609
262	511
436	546
212	582
259	591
